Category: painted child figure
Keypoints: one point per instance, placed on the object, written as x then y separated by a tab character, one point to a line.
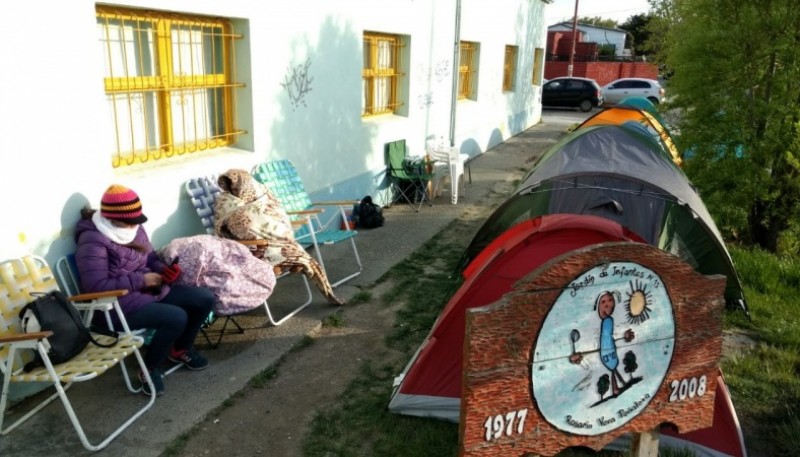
605	304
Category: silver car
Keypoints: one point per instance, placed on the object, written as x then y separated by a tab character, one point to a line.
615	91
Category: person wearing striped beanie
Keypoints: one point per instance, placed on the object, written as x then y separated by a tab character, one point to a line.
122	204
114	252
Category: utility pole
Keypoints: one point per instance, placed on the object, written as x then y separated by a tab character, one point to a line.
574	38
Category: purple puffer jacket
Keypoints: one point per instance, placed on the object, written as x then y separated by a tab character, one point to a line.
105	265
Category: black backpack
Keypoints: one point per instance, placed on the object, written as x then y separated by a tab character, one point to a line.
367	214
53	311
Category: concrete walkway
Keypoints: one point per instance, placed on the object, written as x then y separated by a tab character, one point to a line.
103	403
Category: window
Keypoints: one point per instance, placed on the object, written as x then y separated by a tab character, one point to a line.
538	64
169	83
509	68
381	74
575	85
467	70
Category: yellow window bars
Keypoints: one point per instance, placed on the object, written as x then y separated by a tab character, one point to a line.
509	68
467	66
538	64
381	73
169	81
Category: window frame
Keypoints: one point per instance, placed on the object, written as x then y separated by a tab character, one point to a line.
373	72
510	68
538	64
468	58
157	84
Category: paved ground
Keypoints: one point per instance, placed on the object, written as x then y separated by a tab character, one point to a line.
192	396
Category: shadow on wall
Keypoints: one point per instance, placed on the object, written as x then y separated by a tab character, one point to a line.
495	138
320	127
471	147
65	242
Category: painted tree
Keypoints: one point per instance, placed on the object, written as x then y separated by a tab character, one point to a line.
603	384
736	83
629	362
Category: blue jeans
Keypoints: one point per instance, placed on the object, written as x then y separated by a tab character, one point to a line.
176	319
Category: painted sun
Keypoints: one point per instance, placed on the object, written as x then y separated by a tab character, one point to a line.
638	303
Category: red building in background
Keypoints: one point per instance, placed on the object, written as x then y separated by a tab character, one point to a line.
587	63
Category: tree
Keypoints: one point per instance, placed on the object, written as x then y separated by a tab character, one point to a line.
737	83
629	362
598	21
638	33
602	385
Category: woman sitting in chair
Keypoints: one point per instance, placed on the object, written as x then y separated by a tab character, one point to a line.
248	210
114	252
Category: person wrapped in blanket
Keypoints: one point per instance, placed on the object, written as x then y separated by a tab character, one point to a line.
240	281
247	210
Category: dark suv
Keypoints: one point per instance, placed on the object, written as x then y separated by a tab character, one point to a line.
582	93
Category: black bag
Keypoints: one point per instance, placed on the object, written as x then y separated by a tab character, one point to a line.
367	214
54	312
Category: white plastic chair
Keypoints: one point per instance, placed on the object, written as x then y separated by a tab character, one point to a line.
448	162
18	278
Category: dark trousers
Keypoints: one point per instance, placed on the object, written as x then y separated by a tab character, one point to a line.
176	319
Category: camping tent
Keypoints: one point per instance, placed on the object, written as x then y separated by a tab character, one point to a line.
619	173
638	110
598	184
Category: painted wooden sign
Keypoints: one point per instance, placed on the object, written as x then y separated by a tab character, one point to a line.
613	338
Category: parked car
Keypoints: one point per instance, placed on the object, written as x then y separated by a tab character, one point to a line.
650	89
581	93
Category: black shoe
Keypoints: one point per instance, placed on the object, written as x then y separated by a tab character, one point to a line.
158	382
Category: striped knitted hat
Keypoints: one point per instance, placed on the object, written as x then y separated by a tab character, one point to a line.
122	204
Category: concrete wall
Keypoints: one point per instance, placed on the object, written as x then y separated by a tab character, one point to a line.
56	125
602	72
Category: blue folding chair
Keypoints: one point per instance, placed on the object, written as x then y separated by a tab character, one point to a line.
283	180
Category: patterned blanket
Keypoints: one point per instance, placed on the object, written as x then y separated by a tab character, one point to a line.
247	210
240	281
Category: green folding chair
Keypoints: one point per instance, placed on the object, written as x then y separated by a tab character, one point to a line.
408	178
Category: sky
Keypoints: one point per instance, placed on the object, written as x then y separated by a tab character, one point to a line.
619	10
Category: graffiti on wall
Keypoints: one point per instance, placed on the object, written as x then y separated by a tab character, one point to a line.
297	83
430	76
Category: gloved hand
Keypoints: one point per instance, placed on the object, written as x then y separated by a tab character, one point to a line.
171	273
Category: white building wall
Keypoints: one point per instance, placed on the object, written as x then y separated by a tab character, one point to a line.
55	123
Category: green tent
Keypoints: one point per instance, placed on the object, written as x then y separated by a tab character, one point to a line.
619	172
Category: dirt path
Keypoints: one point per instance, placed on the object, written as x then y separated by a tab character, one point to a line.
272	420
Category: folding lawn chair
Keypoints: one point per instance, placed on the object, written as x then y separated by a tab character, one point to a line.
283	180
18	279
67	273
203	195
408	178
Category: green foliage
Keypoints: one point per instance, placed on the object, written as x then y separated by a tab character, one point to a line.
638	33
598	21
739	104
764	381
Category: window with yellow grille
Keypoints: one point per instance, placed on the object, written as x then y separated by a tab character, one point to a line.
169	83
509	68
538	65
381	73
467	69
